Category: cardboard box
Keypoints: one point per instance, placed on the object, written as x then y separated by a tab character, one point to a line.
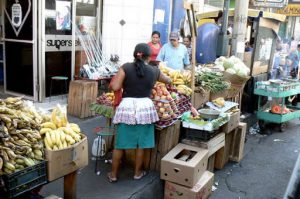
232	123
184	165
259	68
65	161
201	190
200	97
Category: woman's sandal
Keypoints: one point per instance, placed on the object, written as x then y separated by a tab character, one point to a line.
110	178
143	173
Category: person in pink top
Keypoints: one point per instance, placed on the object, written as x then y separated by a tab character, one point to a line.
155	47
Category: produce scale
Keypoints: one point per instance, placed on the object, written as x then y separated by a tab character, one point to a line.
279	108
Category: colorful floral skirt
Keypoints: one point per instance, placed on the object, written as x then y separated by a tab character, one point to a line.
134	111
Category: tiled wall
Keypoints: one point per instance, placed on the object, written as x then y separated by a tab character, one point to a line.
121	40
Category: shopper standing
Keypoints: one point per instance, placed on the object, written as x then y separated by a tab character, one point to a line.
136	114
155	46
187	41
174	53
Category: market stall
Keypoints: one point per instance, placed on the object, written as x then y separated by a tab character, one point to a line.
35	149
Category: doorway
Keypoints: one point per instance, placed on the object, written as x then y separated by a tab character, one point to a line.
20	48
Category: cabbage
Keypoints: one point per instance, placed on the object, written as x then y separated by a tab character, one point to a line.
228	64
235	59
231	71
242	73
236	67
220	67
222	59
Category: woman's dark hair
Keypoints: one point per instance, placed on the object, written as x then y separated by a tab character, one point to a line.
155	33
141	52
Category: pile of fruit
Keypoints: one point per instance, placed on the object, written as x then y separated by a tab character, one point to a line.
183	103
58	133
160	92
20	141
165	105
177	77
106	99
184	90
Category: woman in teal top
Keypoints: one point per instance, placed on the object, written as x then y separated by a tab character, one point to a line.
136	114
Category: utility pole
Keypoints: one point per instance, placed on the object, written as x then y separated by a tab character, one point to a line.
239	28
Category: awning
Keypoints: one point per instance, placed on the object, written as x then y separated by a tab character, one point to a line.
251	13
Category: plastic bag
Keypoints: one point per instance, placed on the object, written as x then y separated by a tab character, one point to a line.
59	116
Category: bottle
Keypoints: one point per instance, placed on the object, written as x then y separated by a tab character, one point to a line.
101	148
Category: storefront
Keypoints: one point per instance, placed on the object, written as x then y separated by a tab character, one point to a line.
39	42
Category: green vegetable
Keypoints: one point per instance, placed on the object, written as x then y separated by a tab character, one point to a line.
212	81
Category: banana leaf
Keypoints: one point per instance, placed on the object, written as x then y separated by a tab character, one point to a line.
104	110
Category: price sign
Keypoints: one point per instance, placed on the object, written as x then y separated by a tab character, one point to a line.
270	3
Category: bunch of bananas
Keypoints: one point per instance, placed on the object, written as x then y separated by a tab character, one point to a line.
61	138
178	77
58	133
20	141
219	102
185	90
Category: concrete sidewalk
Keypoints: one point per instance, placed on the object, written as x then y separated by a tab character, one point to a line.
92	186
262	174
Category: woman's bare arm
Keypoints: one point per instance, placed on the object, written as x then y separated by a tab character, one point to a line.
118	80
164	79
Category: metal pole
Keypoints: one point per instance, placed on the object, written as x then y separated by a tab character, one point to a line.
223	38
225	17
240	28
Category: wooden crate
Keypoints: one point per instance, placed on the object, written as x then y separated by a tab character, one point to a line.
238	141
222	155
211	163
200	97
81	94
165	140
213	145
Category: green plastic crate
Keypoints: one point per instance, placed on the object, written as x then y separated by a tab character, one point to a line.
24	180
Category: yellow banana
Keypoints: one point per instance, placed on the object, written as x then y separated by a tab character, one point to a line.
48	146
48	139
45	130
49	125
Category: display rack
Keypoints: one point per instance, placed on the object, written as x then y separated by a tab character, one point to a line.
279	93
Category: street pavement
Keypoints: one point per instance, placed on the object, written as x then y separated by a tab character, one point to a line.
263	173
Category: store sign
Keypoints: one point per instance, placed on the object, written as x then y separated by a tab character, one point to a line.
294	1
270	3
56	43
290	10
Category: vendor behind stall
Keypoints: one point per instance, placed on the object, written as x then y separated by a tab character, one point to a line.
136	114
174	53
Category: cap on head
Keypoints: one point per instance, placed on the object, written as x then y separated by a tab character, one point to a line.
174	35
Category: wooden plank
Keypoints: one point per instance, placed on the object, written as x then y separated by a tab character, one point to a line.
237	147
70	182
212	145
222	155
211	163
154	151
161	142
147	156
